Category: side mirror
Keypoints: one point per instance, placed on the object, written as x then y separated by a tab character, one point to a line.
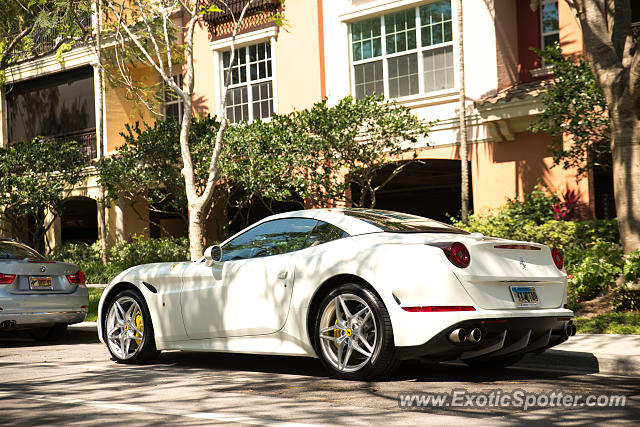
212	254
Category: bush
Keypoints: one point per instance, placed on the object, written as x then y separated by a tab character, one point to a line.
625	299
536	206
145	251
597	269
121	256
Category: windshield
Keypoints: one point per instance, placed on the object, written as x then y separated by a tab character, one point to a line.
401	222
14	250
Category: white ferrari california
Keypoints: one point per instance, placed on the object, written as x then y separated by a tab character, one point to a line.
361	289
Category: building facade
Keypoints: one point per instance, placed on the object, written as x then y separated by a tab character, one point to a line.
405	50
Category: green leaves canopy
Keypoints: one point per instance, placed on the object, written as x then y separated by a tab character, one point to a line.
33	178
314	154
575	107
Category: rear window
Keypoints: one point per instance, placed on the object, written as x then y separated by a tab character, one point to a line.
401	222
13	250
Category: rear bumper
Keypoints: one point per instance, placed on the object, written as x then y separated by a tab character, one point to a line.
501	337
28	311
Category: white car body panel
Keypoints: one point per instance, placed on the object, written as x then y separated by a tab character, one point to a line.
262	305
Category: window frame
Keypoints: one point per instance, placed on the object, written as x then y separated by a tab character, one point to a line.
253	256
177	100
249	83
549	33
417	51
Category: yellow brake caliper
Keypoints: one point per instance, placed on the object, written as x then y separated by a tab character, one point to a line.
139	325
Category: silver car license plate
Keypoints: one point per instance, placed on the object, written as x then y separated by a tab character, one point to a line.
525	296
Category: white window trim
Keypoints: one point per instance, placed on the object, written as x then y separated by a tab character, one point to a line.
542	33
177	101
383	8
251	39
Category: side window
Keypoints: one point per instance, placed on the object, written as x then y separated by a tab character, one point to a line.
323	233
270	238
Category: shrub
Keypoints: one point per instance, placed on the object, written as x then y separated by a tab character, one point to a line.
536	206
121	256
597	268
625	299
144	251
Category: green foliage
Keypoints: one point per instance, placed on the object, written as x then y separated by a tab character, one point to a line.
121	256
631	267
308	152
94	301
596	270
625	299
575	107
144	251
536	206
33	178
610	323
60	22
305	153
149	162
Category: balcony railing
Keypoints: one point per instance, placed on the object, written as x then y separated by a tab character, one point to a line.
44	41
86	137
258	15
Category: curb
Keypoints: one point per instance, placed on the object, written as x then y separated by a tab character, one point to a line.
553	360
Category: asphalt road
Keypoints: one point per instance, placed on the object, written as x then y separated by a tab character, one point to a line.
74	382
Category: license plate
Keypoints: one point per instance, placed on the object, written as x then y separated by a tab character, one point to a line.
40	282
525	296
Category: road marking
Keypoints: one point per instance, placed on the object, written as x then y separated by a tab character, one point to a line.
212	416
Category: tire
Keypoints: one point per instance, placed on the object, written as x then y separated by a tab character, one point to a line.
52	333
127	329
497	362
356	343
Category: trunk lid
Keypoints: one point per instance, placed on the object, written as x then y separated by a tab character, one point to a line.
498	267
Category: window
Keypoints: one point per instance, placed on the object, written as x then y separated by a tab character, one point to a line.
324	232
269	238
173	103
404	53
550	29
250	92
401	222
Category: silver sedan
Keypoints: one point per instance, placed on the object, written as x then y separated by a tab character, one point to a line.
40	295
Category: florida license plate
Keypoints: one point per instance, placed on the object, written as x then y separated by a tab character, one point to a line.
525	296
40	282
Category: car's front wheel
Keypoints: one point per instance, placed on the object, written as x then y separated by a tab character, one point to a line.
353	334
127	328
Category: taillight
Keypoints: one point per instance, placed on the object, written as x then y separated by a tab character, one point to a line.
6	279
557	258
77	278
456	252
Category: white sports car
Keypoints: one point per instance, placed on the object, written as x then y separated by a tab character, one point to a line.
359	288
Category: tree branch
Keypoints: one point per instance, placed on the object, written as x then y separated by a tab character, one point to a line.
12	45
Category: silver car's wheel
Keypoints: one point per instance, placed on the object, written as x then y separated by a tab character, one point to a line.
128	329
353	334
348	333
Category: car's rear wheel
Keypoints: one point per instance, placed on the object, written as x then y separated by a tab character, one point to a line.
127	328
353	334
52	333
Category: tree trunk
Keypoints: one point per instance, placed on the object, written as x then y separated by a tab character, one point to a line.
100	141
464	165
196	222
625	148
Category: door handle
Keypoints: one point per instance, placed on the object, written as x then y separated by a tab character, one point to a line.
283	274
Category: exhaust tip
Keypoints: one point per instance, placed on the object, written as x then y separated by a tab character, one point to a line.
458	335
475	335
